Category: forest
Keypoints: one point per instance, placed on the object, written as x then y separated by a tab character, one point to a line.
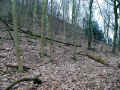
59	45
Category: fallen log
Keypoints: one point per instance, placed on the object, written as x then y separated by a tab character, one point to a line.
96	59
35	80
37	36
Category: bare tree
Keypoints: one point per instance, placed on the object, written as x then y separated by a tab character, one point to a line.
115	26
16	36
43	25
90	25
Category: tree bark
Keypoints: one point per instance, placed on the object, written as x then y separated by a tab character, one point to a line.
115	26
43	25
90	25
16	36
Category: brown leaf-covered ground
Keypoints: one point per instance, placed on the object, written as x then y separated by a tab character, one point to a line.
62	72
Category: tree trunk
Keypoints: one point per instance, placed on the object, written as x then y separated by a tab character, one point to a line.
115	27
90	25
43	25
16	36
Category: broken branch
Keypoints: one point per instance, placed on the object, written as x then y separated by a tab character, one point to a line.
35	80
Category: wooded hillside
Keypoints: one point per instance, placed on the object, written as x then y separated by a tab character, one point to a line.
59	45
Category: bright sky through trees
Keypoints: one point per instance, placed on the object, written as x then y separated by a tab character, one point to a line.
97	11
100	18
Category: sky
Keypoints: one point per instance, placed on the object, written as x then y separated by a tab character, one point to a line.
99	17
97	14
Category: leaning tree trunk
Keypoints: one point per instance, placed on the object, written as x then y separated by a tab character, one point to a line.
16	36
115	27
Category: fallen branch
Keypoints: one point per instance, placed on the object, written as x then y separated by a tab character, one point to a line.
34	79
38	36
15	66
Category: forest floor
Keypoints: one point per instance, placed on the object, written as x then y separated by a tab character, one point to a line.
62	73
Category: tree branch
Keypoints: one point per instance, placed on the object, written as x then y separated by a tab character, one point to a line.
34	79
